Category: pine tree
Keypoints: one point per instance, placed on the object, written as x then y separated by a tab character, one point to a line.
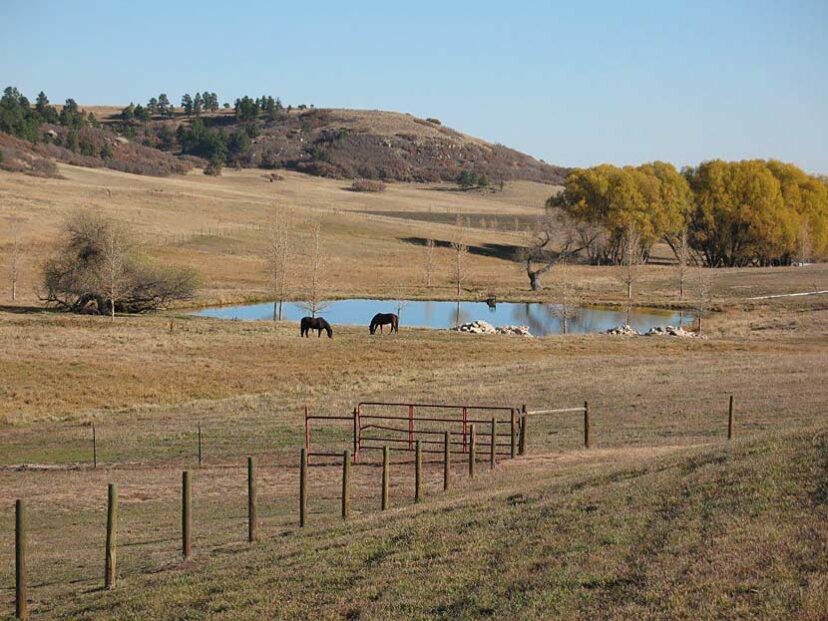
164	106
187	104
128	113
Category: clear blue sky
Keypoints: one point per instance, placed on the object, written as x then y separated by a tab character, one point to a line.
573	83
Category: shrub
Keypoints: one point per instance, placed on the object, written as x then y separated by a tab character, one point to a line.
367	185
434	121
41	167
468	179
213	168
79	277
19	159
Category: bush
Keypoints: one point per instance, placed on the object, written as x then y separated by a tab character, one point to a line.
213	168
41	167
468	179
20	159
80	276
367	185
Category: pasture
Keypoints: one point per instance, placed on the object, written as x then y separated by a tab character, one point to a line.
661	517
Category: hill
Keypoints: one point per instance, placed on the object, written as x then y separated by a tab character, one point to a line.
255	133
352	144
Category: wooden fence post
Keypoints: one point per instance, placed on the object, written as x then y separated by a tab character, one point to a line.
586	424
346	484
356	435
418	471
523	421
303	486
472	450
514	436
492	448
186	516
94	447
199	445
386	475
110	562
21	578
730	419
252	521
446	461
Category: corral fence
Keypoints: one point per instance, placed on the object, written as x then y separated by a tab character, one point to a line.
400	425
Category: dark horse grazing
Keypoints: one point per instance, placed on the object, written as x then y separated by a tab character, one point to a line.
383	319
314	323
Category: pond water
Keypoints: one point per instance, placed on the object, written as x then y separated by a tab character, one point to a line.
541	318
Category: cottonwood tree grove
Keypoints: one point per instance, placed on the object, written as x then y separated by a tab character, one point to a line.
752	212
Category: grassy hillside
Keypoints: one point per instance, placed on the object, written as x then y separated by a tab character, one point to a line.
352	144
720	532
162	140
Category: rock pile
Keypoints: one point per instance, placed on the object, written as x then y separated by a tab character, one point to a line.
670	331
476	327
514	330
624	330
479	326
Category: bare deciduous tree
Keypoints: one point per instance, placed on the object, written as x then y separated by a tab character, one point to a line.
279	255
15	258
112	267
569	302
682	251
313	302
461	249
429	262
401	302
554	240
629	265
700	288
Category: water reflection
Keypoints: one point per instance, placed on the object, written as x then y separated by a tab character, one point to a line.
541	318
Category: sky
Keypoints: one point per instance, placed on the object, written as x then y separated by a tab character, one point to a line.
574	83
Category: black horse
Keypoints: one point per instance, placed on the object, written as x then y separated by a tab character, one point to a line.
314	323
383	319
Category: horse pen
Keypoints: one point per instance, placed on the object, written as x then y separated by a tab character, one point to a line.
382	455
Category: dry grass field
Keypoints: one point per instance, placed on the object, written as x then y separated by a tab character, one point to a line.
662	518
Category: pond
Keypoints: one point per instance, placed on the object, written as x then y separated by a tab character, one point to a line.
541	318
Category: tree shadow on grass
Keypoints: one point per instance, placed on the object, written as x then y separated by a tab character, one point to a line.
25	310
505	252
